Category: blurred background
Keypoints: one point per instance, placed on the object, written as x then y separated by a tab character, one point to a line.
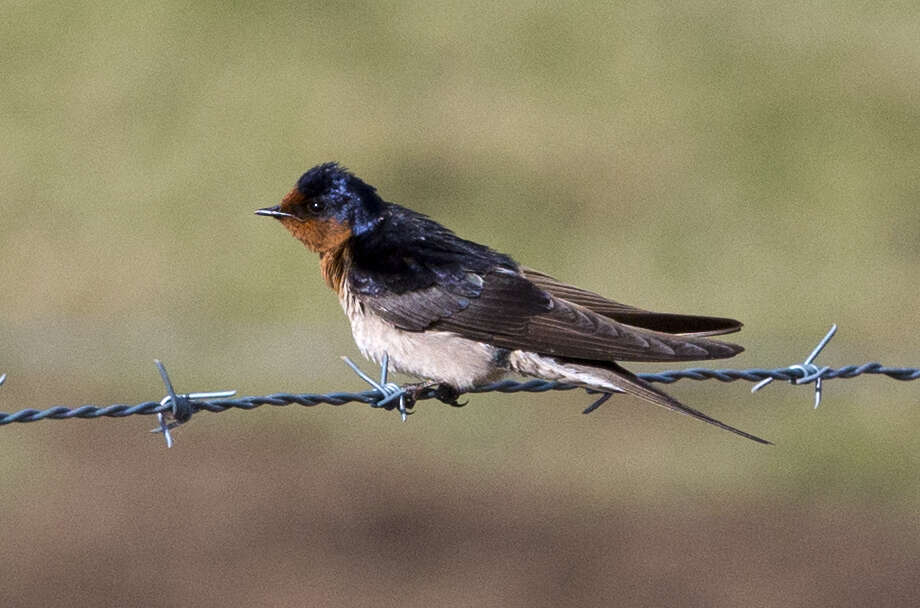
754	160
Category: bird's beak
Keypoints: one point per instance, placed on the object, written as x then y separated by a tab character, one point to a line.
274	212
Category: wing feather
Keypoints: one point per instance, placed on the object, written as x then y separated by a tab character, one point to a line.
511	311
685	325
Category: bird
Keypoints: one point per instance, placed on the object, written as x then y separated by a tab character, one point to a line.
459	314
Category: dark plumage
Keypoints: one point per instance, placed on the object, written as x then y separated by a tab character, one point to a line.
457	312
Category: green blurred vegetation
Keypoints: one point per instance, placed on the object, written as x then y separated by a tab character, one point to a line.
755	160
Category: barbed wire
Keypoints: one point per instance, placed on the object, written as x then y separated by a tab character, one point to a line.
175	409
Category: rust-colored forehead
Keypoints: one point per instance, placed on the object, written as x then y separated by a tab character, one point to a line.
291	199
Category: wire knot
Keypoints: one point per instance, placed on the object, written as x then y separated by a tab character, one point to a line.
806	372
810	372
182	407
179	407
389	391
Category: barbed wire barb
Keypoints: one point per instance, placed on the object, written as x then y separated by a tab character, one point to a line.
810	371
389	391
181	407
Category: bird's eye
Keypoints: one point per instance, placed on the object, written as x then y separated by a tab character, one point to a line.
308	209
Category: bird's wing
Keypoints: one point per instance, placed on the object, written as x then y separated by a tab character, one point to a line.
506	309
684	325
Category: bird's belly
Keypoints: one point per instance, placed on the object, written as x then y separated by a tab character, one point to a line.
434	355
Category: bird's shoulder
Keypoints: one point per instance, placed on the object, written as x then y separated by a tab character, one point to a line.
414	272
408	251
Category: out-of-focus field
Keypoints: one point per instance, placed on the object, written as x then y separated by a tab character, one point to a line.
750	160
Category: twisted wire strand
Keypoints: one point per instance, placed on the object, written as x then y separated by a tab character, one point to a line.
793	374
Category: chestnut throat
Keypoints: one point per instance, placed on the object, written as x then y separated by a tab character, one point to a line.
334	265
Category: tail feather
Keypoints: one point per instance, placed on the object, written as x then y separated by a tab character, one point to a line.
633	385
612	377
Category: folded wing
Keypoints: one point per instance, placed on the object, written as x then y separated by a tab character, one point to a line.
511	310
685	325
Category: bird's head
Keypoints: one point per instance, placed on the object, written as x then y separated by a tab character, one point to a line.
328	206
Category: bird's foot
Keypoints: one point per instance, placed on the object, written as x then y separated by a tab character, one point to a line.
403	398
413	392
445	393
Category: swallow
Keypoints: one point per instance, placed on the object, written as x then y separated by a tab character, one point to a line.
460	314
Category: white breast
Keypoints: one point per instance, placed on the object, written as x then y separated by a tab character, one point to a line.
433	355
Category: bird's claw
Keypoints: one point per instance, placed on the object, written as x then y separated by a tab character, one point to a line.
404	398
445	393
413	392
